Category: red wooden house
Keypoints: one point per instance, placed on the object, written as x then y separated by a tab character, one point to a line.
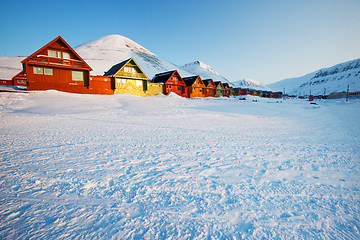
210	88
172	83
19	79
227	90
57	66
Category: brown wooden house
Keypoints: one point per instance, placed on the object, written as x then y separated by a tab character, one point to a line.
172	82
57	66
210	88
227	90
195	86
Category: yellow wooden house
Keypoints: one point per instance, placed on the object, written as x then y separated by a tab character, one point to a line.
127	77
219	89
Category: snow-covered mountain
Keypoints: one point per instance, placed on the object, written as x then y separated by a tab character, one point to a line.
328	80
204	71
101	54
249	83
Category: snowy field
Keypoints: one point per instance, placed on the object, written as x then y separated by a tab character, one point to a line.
127	167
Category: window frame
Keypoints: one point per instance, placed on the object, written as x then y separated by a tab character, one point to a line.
75	77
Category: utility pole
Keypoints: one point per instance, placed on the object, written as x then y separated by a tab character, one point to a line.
284	94
347	93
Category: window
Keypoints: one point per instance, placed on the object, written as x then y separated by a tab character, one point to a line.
139	83
66	55
120	80
129	70
48	71
59	54
174	79
168	86
38	70
179	88
77	76
193	88
200	89
52	53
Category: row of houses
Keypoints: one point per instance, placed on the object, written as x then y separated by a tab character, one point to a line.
57	66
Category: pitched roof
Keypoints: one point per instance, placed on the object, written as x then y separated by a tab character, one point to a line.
207	81
114	69
49	44
189	81
217	83
162	77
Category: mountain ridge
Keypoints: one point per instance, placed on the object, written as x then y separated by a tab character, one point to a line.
324	80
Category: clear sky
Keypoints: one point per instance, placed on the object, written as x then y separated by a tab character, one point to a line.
265	40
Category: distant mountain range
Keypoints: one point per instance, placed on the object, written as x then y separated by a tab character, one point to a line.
326	80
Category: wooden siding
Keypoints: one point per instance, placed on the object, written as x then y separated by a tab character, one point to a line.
6	82
61	80
130	86
154	89
100	85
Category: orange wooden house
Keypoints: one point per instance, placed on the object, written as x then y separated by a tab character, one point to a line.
210	88
172	83
57	66
195	86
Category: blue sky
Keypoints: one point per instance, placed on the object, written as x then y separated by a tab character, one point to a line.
265	40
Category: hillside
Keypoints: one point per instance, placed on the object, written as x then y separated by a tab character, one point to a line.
249	83
101	54
328	80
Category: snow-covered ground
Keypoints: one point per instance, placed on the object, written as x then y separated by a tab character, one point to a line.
164	167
